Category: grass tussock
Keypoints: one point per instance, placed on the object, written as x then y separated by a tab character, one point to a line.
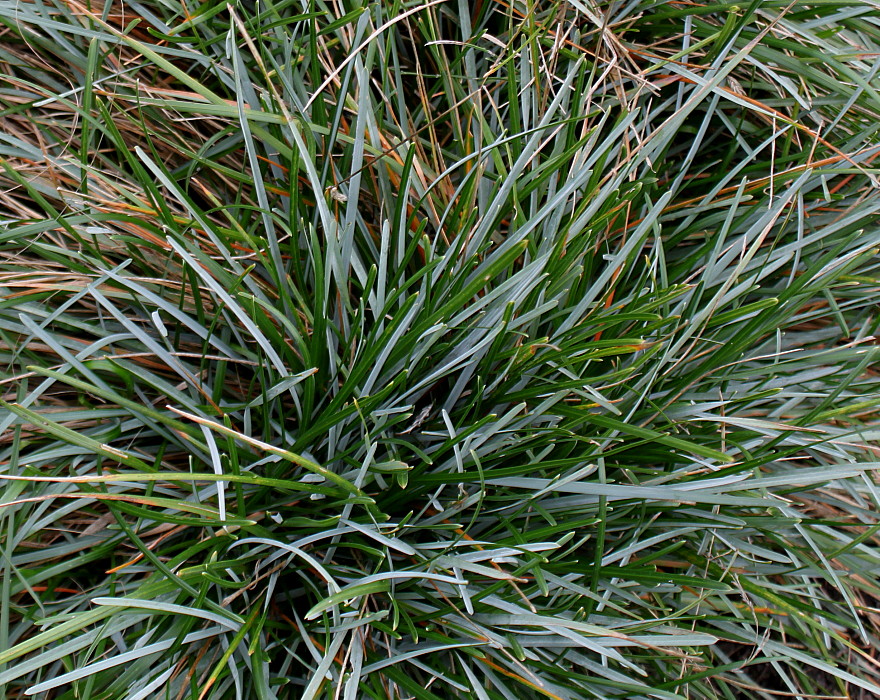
493	350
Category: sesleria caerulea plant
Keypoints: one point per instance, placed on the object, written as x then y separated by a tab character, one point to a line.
444	349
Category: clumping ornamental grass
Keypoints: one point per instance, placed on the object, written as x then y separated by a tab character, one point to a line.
502	349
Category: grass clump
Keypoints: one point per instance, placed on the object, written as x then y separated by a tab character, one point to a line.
439	349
